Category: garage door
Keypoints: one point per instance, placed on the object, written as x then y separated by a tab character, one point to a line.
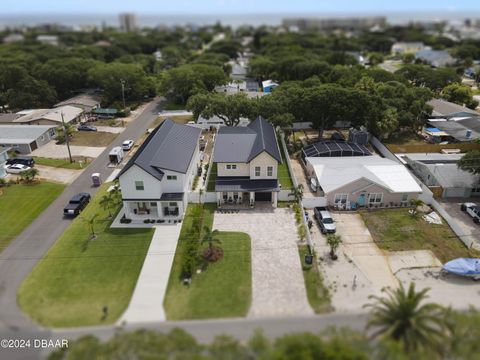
33	145
263	196
454	192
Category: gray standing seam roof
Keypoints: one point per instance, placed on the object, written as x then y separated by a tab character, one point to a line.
169	147
242	144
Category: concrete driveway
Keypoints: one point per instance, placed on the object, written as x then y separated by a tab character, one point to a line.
54	151
278	287
452	206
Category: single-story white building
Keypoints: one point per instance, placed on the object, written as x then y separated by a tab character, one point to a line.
361	181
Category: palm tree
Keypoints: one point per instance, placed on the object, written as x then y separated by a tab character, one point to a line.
210	238
404	317
29	175
106	202
90	222
334	241
297	193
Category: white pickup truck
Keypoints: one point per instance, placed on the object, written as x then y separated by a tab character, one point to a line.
473	210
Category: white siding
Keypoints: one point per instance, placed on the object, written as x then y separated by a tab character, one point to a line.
152	186
263	160
241	170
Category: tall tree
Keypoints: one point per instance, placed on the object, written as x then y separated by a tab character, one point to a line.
470	162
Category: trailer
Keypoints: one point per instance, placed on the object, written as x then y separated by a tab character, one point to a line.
116	155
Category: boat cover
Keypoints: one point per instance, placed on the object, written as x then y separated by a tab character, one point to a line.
463	266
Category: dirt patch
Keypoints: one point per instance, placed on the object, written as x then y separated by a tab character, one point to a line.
92	138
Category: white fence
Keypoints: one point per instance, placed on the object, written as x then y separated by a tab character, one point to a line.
207	197
382	149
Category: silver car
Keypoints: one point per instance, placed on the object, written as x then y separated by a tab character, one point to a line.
325	220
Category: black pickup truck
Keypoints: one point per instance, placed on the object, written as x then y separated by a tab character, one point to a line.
76	204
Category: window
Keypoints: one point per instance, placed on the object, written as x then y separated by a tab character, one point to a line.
257	170
404	197
153	204
41	138
172	204
375	198
231	166
139	185
269	170
52	132
341	198
171	177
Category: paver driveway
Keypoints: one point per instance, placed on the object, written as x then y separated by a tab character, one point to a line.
278	287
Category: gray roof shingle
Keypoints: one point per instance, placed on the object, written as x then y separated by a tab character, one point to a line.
169	147
242	144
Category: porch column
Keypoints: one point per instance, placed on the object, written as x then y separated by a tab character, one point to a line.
252	198
274	198
126	209
219	198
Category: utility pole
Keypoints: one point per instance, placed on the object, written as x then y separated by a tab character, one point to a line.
67	140
123	92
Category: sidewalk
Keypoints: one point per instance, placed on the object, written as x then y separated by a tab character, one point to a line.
146	304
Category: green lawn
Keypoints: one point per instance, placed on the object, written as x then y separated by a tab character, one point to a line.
223	289
21	204
317	294
79	276
396	230
212	178
284	176
78	163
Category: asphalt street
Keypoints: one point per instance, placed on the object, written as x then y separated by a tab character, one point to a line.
19	258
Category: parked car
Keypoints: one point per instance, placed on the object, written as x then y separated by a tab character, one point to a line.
127	145
85	127
16	168
76	204
24	160
473	210
325	220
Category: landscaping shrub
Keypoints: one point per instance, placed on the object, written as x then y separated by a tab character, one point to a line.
190	255
125	220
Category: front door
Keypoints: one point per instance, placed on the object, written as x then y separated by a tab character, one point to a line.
361	200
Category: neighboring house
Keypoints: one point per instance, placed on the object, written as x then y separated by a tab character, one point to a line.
24	139
71	114
247	161
232	87
239	71
358	181
216	122
87	102
269	85
402	48
435	58
8	118
446	109
48	39
440	171
156	180
3	161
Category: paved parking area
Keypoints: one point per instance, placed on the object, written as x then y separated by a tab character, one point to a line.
278	287
452	206
54	151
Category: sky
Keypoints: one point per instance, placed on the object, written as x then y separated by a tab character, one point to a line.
213	7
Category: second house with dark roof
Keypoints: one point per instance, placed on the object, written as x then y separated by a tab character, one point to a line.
156	180
247	161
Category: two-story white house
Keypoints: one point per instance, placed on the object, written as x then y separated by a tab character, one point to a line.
156	180
247	161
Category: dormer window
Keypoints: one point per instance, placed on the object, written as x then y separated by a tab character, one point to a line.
231	166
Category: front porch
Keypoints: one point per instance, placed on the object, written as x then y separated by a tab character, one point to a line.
245	192
169	207
244	199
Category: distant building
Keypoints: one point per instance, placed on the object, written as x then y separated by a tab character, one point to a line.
447	109
435	58
402	48
71	114
87	102
128	22
232	87
441	171
48	39
25	139
216	122
269	85
344	23
13	38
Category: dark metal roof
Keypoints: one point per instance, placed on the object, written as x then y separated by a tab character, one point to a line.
171	197
245	184
242	144
328	148
169	147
